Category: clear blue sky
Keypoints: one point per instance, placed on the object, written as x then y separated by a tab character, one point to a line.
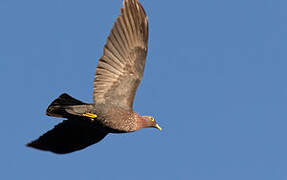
215	80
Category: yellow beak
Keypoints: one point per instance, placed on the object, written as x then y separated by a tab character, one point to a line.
157	126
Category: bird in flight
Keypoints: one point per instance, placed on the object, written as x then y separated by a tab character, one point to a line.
118	75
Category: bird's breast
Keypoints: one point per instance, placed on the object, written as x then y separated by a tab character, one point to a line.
118	120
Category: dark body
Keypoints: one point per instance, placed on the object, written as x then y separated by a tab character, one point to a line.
113	118
78	132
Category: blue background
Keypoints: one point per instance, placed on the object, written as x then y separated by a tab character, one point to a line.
215	80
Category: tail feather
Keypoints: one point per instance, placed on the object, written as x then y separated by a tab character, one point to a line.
58	106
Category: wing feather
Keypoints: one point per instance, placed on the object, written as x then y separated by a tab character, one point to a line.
121	67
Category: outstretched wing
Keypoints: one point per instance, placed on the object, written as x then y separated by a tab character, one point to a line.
70	135
121	67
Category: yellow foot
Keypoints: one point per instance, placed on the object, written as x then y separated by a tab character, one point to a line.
90	115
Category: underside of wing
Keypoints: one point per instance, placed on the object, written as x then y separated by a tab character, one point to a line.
70	135
121	67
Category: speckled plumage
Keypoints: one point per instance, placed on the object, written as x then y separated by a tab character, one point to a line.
118	74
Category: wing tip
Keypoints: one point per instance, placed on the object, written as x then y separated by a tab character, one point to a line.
36	145
30	144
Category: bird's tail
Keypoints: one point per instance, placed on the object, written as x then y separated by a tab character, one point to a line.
58	107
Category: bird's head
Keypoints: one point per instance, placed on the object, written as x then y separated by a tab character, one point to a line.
148	121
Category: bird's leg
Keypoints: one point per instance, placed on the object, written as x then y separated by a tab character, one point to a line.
90	115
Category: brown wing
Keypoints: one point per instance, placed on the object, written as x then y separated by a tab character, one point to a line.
121	67
70	135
